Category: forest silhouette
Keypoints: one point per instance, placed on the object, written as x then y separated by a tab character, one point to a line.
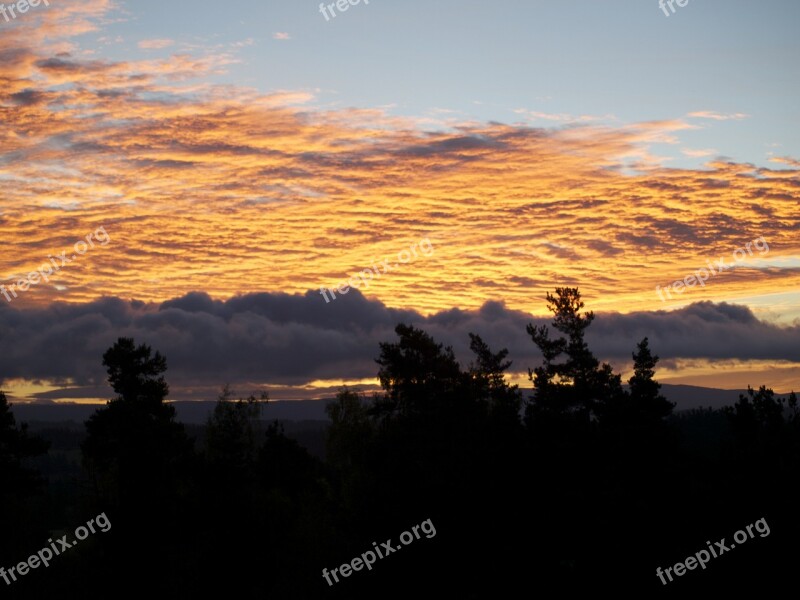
583	483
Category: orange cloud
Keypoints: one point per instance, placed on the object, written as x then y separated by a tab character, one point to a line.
226	190
786	160
698	153
709	114
155	44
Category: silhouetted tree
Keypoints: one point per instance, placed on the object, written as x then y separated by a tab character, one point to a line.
421	378
19	484
644	389
349	444
570	385
487	374
231	432
350	432
641	411
293	512
135	373
16	448
284	464
758	418
230	492
133	445
21	490
793	409
596	476
139	458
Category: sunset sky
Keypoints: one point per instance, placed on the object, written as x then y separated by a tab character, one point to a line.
241	156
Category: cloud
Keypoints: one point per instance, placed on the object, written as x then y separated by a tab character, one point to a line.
297	339
708	114
533	115
155	44
698	153
281	35
226	189
786	160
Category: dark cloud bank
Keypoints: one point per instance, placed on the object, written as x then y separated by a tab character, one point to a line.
282	339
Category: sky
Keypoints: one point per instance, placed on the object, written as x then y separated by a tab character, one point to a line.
211	179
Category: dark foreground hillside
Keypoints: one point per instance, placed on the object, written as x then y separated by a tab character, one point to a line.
451	483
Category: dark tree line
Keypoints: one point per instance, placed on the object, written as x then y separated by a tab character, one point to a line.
585	485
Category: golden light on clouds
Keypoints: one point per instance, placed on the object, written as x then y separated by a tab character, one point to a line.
227	197
224	190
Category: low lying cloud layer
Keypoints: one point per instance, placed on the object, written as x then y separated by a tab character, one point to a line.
292	340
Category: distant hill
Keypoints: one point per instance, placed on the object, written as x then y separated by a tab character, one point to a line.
188	412
686	397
